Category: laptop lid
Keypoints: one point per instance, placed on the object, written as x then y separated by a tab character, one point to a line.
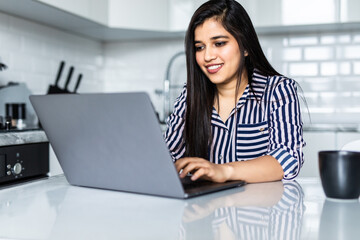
110	141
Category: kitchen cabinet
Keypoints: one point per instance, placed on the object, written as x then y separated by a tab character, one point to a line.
94	10
350	10
292	12
139	14
301	12
112	20
109	20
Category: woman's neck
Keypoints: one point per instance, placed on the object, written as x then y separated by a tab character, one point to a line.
226	100
228	91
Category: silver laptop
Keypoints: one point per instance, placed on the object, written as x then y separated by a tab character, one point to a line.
114	141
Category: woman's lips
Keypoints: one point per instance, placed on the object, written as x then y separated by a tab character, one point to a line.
214	68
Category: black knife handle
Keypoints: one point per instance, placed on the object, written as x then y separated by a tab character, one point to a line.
62	63
78	83
69	77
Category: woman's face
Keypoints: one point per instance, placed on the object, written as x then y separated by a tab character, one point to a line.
217	53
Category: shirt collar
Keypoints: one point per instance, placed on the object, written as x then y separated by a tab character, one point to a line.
258	85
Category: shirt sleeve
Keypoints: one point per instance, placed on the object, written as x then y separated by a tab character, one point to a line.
285	128
175	128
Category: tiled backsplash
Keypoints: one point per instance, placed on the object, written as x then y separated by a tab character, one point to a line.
33	53
325	64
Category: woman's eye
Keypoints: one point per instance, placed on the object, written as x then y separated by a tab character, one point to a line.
219	44
198	48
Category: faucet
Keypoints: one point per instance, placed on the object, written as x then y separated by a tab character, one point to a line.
166	91
2	66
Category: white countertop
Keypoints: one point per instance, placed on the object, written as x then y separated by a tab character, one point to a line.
52	209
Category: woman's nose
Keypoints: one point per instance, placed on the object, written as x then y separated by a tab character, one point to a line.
210	54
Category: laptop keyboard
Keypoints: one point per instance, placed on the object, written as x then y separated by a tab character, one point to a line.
189	184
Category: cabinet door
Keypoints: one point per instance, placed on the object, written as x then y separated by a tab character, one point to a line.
139	14
350	10
315	142
291	12
94	10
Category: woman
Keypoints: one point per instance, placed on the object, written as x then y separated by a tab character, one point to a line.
237	118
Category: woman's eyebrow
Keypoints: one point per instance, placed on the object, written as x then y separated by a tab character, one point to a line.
213	38
217	37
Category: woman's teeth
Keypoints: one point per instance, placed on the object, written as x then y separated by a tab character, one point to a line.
214	67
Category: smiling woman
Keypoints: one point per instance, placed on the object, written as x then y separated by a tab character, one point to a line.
237	117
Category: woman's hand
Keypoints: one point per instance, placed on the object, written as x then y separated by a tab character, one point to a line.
201	168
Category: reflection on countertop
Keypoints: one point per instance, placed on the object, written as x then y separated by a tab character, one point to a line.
261	211
52	209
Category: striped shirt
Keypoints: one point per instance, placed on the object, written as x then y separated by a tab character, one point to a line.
265	121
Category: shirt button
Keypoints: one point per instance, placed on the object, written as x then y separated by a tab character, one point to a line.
220	157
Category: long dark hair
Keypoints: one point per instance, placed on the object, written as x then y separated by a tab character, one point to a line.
201	92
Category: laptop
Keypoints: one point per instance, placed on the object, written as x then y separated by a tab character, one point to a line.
114	141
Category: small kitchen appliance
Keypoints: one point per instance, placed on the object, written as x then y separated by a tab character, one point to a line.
23	161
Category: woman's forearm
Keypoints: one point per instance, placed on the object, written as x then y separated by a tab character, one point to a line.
261	169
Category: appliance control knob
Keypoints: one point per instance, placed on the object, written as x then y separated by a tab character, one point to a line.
17	169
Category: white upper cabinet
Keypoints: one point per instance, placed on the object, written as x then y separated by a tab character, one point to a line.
350	10
94	10
109	20
272	13
180	13
139	14
291	12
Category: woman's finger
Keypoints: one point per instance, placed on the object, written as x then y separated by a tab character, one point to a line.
191	167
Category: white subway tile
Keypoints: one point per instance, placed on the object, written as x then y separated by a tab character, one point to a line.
339	52
352	52
11	42
307	40
356	94
21	62
348	84
345	68
303	69
319	84
42	65
285	42
283	70
292	54
356	38
319	53
356	67
328	69
344	39
268	54
328	39
33	45
350	110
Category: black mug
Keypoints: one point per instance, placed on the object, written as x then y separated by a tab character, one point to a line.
340	174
